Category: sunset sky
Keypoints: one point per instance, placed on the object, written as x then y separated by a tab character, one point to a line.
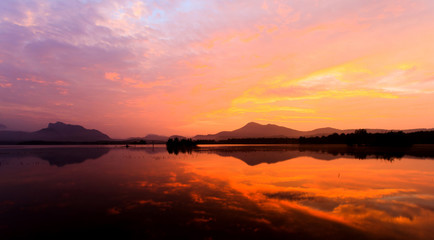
130	68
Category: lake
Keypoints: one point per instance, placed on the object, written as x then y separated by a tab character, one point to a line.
216	192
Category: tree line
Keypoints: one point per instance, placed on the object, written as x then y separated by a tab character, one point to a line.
360	137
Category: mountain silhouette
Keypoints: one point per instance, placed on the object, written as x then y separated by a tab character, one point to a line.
55	132
256	130
253	130
154	138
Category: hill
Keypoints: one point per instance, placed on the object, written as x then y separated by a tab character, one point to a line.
253	130
256	130
55	132
154	138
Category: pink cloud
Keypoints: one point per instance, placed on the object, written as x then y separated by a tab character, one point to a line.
185	59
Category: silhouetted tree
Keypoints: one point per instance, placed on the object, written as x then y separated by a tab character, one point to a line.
183	145
361	132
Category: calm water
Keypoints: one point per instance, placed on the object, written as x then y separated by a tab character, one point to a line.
218	192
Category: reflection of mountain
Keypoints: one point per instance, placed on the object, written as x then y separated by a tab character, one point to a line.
253	155
56	132
257	157
56	156
64	156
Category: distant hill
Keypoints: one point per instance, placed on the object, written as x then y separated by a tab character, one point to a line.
55	132
154	138
252	130
256	130
157	138
66	133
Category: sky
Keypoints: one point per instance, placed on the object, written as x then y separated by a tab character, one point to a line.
130	68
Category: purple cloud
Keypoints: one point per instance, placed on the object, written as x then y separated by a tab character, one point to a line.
55	55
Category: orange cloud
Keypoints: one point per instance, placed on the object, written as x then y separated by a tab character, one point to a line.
5	85
113	76
368	63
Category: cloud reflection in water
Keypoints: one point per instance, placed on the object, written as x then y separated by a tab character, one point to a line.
148	193
387	199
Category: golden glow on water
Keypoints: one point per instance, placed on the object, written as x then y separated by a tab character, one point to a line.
368	194
294	195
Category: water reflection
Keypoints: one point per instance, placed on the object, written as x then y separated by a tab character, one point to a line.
148	193
57	156
253	155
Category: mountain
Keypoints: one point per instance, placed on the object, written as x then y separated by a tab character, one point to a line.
256	130
253	130
55	132
154	138
177	136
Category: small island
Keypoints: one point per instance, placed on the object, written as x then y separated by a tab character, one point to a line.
184	145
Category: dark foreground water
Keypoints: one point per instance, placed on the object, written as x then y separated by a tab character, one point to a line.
216	192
